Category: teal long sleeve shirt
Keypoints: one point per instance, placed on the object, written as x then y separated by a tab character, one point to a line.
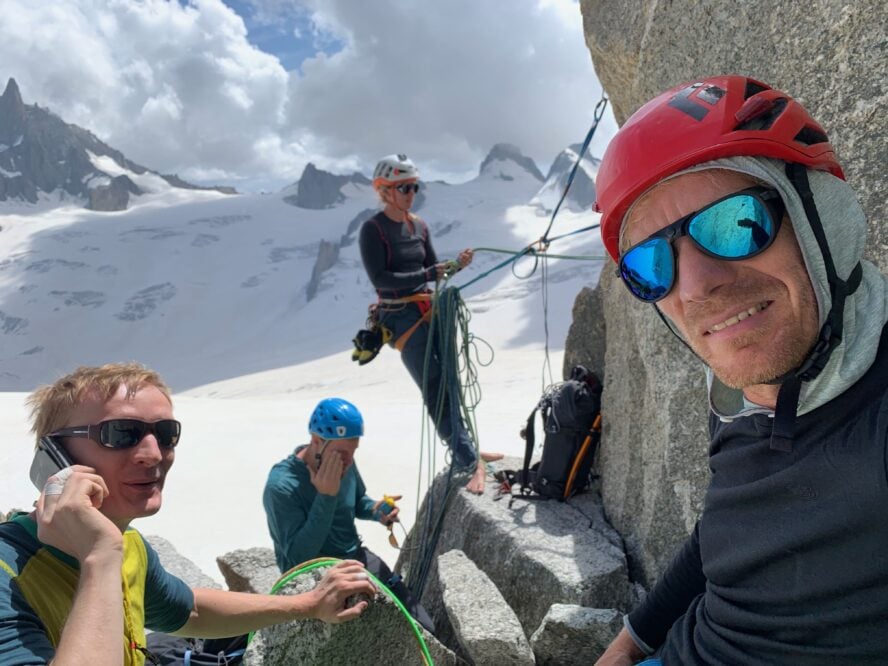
304	524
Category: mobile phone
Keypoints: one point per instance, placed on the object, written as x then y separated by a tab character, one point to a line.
49	458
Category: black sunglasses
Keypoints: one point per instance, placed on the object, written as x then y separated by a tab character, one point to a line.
407	188
126	433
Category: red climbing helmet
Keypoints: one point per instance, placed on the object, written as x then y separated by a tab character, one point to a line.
700	121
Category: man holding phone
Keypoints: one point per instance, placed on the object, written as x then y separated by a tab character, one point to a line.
77	584
314	495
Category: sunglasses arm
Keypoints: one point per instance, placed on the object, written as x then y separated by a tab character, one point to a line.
87	432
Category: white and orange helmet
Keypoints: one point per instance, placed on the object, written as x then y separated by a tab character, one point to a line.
393	169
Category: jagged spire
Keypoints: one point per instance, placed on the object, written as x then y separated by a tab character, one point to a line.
11	106
12	95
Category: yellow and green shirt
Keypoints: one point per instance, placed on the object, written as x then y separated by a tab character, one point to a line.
37	586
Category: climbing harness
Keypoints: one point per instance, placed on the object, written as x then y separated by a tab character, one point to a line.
423	302
316	563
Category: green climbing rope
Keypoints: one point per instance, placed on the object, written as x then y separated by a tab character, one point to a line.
327	561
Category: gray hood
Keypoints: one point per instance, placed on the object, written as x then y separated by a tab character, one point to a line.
866	310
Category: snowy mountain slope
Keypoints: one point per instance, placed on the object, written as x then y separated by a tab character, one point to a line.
206	287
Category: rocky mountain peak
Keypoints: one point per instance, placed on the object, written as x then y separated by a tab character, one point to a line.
41	153
318	189
12	96
12	110
506	152
582	191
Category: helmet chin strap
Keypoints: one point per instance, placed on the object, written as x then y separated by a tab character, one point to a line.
830	335
320	452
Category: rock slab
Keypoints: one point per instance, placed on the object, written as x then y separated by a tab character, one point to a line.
574	636
485	626
537	553
249	570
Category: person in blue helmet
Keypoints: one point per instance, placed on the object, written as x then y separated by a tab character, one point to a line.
313	496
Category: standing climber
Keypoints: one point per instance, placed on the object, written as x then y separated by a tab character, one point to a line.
399	259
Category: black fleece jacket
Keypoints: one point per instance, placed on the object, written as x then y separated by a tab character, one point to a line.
789	561
398	256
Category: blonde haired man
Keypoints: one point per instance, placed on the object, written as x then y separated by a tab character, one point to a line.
78	585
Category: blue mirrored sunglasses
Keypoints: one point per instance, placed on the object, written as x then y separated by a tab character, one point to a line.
738	226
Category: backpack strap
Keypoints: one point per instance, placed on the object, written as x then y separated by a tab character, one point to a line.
530	440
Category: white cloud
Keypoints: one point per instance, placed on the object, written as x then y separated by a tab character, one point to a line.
445	80
178	87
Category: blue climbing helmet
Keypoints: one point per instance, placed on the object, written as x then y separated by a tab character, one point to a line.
335	418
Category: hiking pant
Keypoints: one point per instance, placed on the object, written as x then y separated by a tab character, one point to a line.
169	650
450	426
380	569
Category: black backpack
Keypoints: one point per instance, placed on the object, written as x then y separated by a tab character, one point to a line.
570	413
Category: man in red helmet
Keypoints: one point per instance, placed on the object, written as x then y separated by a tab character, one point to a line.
737	225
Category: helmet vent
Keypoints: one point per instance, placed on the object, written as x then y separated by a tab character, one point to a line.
759	114
753	88
810	136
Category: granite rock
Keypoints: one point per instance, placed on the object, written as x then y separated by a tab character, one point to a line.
574	636
486	628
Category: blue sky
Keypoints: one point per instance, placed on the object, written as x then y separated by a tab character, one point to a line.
247	92
288	34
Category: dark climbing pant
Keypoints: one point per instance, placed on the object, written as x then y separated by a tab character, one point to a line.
168	650
438	388
380	569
